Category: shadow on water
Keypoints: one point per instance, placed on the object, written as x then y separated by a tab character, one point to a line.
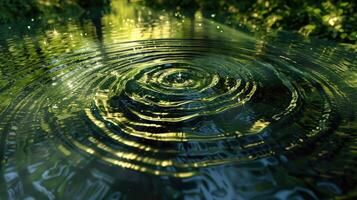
140	104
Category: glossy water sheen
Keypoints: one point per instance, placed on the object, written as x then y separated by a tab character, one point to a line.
137	104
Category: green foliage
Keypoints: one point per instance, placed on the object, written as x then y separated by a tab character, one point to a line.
331	19
12	10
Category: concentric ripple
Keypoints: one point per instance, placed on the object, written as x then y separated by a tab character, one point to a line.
174	106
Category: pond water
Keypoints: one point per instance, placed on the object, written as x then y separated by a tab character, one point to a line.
143	104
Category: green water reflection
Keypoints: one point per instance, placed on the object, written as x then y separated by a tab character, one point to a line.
142	104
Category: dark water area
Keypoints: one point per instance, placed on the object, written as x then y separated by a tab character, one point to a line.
142	104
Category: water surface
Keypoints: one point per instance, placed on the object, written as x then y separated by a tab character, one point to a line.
143	104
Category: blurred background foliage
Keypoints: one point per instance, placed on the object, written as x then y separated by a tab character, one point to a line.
329	19
334	20
13	10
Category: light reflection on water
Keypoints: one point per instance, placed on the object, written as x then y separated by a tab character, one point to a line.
138	104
